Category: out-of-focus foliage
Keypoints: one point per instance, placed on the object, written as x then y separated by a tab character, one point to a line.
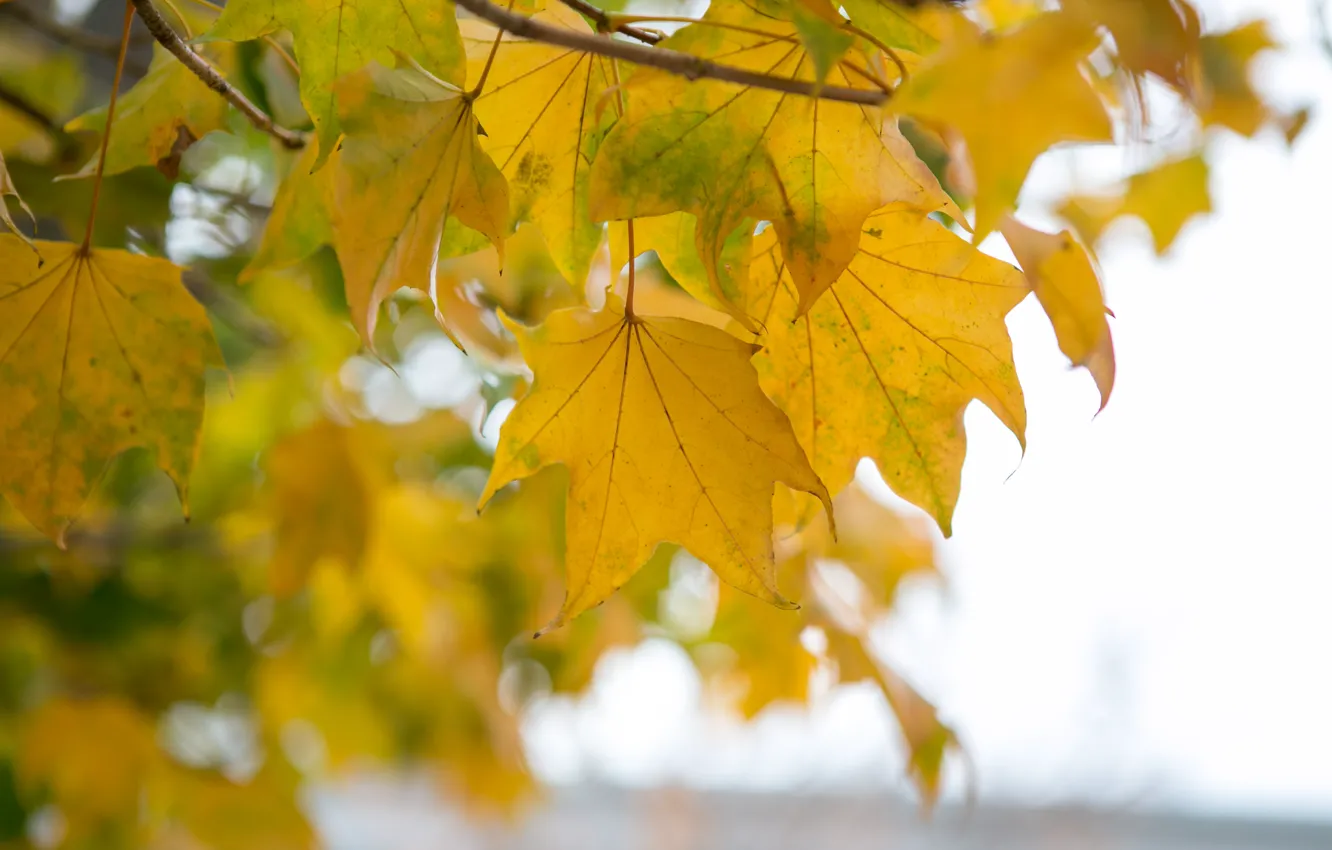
803	291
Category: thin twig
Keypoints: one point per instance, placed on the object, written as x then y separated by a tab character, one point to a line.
671	61
200	67
606	24
86	245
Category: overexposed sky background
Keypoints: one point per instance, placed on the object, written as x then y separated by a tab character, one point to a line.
1142	613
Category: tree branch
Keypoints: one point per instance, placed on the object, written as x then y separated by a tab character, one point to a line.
671	61
200	67
605	24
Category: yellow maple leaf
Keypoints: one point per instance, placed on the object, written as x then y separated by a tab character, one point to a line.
544	117
162	115
100	351
667	437
727	153
1165	198
1228	98
1012	97
410	161
1066	283
885	363
333	38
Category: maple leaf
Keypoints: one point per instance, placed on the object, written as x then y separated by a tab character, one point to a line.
1165	197
161	115
410	162
99	351
667	438
1151	36
1227	98
727	153
885	363
1069	290
1012	97
333	38
544	117
8	189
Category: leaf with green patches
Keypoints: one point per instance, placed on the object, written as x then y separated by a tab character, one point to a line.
545	113
334	38
100	351
162	115
886	362
727	153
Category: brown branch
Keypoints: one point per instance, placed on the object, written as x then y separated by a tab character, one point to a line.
606	24
211	77
671	61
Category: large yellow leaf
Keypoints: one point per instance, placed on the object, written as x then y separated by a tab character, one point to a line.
544	117
1066	283
726	153
333	38
99	352
885	363
667	437
1012	97
409	162
162	115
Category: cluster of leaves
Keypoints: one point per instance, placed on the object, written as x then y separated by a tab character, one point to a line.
736	261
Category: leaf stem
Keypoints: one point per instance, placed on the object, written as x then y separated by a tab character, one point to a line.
485	69
629	288
200	67
608	24
85	247
671	61
887	51
685	19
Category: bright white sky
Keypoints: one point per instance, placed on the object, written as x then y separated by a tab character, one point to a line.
1142	613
